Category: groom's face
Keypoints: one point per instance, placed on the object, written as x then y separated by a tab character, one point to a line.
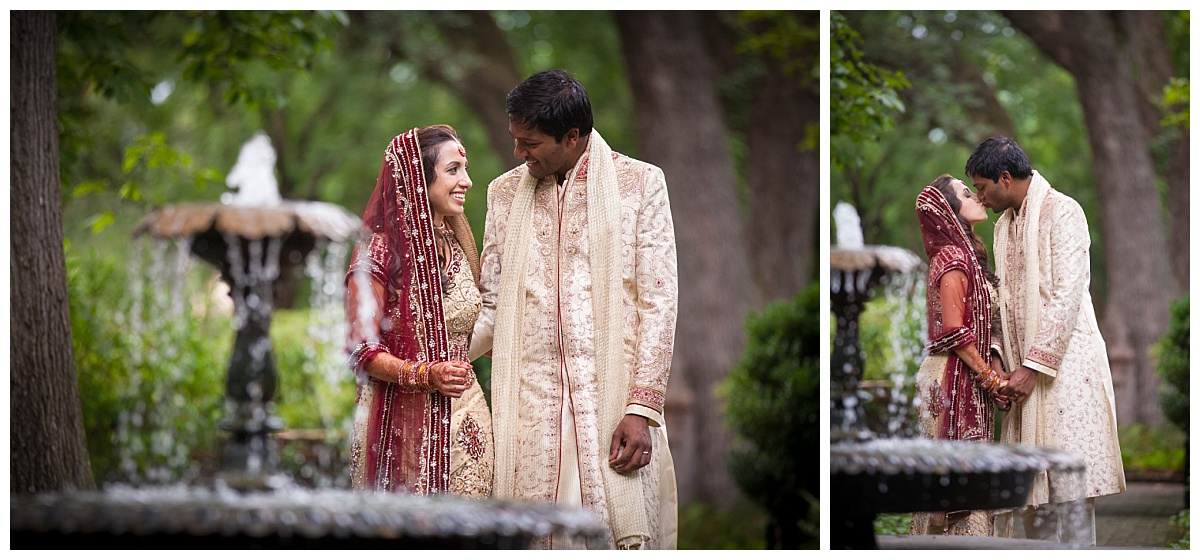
994	194
542	154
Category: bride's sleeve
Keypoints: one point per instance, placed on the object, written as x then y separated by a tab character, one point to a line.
955	336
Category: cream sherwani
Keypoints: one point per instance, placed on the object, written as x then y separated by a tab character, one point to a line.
551	421
1049	325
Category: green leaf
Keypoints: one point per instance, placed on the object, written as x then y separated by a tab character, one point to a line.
131	191
100	221
88	187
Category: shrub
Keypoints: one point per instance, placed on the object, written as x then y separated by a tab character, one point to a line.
1146	449
1182	524
1171	352
774	406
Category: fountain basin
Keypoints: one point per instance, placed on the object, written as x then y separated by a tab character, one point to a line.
906	475
177	517
210	225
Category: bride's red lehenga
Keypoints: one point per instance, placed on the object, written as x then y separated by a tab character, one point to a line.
405	437
961	304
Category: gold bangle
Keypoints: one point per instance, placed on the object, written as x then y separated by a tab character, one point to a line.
423	376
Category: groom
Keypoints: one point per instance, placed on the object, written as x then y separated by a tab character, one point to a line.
1061	384
579	286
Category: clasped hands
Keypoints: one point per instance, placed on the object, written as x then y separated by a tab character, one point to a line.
997	392
451	378
1019	384
1014	387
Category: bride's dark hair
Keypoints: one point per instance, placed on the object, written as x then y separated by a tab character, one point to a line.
945	185
431	138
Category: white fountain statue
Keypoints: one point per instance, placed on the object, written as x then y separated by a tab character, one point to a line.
849	227
252	179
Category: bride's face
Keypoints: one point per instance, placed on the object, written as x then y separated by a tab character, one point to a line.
969	206
448	190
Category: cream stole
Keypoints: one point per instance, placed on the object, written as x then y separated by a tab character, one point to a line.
625	498
1028	426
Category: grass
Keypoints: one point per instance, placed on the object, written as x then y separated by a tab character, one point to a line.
703	526
1152	452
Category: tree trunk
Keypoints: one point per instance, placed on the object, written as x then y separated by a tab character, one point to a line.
783	179
1089	46
48	447
679	122
1150	57
1179	203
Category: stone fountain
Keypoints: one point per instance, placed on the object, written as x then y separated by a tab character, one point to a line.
256	240
870	475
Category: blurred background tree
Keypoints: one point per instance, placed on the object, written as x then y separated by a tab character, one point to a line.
1098	112
154	106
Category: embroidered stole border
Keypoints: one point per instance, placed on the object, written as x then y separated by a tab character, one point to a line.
1027	427
432	463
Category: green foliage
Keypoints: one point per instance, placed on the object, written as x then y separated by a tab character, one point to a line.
1172	353
1182	524
773	405
226	47
892	523
892	333
152	391
1175	103
863	96
316	388
784	35
111	66
703	526
1152	449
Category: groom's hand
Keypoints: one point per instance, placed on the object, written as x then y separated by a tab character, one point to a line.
1020	384
630	449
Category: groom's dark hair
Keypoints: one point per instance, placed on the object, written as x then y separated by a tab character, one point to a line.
552	102
998	154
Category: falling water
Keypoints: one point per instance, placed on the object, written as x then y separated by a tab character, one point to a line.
178	351
152	445
904	302
324	364
158	426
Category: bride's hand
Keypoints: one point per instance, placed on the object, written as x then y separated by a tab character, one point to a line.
451	378
1002	401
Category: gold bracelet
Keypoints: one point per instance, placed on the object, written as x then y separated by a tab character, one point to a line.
409	378
423	377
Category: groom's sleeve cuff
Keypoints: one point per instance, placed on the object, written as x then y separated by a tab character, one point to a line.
1042	361
655	417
